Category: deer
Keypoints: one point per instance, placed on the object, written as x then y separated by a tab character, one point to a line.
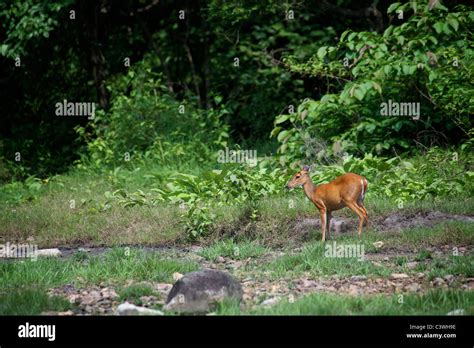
347	190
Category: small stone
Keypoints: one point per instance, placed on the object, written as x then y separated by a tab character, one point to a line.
108	293
449	278
399	276
353	290
378	244
130	309
195	248
412	265
306	283
270	301
413	287
456	312
358	278
177	276
438	281
48	253
163	287
220	259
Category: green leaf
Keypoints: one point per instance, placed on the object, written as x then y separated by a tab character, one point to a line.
322	52
454	23
351	36
408	69
438	26
377	87
359	93
283	135
344	34
393	7
281	119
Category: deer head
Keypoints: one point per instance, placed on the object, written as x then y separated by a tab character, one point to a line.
299	179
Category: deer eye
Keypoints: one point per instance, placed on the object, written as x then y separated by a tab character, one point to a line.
298	176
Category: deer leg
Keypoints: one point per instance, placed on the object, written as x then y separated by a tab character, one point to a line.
323	223
356	209
328	224
366	215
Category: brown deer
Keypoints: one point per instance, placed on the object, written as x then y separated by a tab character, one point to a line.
347	190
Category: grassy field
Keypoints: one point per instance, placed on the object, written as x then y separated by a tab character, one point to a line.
276	254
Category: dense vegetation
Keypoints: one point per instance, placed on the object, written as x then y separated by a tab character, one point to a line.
175	83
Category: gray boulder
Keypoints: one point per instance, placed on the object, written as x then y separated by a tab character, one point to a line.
198	292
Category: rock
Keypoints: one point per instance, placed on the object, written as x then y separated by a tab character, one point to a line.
358	278
413	287
449	278
108	293
91	298
199	291
130	309
399	276
438	281
338	226
48	253
67	313
177	276
270	301
164	287
420	275
307	283
456	312
353	290
220	259
378	244
195	248
412	265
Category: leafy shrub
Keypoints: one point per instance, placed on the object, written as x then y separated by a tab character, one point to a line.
427	59
146	123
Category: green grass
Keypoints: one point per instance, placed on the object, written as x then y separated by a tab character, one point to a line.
41	209
26	283
114	266
30	301
432	303
312	259
435	302
133	293
233	250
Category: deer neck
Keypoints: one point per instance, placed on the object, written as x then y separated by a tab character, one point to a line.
309	189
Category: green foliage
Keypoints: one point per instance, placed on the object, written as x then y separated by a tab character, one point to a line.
26	22
134	292
197	195
435	174
147	123
427	59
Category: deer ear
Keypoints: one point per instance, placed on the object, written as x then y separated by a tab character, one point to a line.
306	168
